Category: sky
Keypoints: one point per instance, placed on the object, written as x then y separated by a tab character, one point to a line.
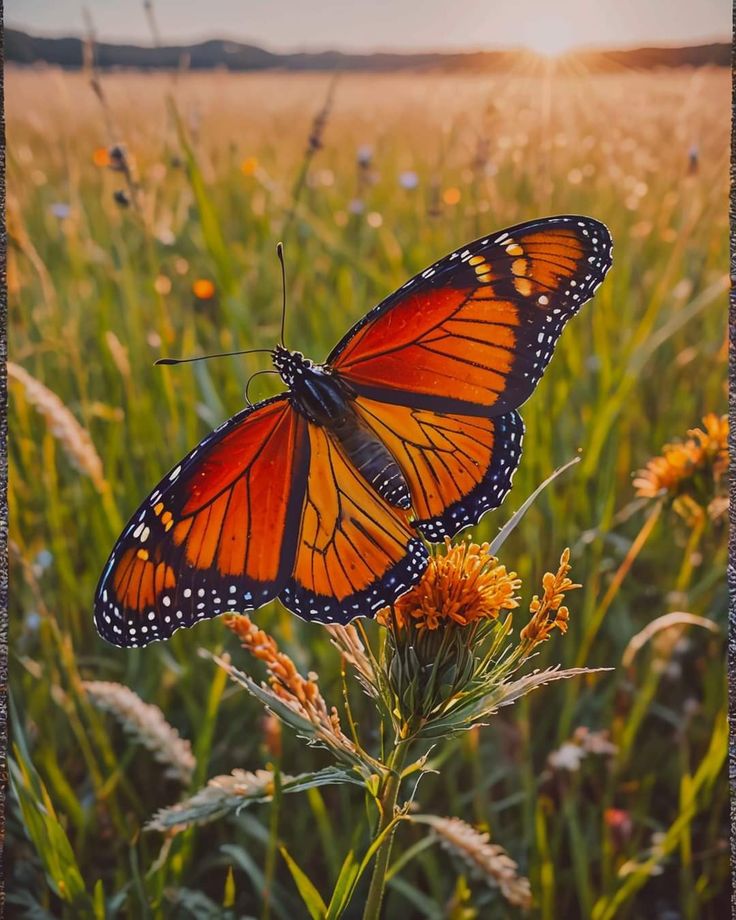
389	24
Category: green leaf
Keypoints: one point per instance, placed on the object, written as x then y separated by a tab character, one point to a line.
344	887
228	897
311	897
425	905
353	873
328	776
48	835
479	706
516	517
188	903
99	900
243	860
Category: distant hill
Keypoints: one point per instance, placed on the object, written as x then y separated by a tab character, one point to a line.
22	48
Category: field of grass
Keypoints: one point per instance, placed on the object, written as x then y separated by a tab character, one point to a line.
409	168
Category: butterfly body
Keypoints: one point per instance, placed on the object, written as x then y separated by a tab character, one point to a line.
315	390
320	395
325	495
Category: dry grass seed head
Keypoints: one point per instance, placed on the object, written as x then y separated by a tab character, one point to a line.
220	795
147	723
487	859
73	437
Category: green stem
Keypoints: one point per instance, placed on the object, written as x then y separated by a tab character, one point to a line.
270	867
388	799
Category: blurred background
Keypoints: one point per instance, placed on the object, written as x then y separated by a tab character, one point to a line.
156	152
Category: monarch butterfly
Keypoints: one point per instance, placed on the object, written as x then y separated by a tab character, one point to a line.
322	496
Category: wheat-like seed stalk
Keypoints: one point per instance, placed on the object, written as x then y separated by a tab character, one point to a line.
347	641
73	437
221	795
299	694
487	859
118	353
147	724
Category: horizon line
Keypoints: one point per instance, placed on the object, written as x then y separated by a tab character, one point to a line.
589	47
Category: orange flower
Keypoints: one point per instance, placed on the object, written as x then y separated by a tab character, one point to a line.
451	196
101	157
203	289
548	611
704	451
714	441
462	585
249	166
284	678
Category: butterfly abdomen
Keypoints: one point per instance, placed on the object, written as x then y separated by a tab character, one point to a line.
372	460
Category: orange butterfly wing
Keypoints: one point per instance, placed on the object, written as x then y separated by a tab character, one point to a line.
356	553
441	365
475	332
457	467
218	533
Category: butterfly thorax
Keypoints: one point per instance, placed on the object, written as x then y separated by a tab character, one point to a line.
321	395
316	391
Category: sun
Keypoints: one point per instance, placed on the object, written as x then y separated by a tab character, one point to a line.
548	36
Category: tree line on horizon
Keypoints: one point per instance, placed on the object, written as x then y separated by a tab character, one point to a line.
69	52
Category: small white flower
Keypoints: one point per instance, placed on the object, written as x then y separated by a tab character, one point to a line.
567	757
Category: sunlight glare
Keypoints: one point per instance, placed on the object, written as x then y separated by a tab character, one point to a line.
549	36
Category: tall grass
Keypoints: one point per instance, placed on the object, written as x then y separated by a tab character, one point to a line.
99	290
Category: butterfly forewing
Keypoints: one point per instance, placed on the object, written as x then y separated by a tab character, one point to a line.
475	332
218	533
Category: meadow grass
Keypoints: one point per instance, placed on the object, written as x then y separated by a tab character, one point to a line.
99	290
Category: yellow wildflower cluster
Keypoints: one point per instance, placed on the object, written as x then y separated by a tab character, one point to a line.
462	585
705	450
548	611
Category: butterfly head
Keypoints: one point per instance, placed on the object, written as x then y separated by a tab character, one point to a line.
291	365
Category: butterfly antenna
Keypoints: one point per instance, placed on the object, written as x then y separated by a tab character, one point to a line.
280	254
251	379
222	354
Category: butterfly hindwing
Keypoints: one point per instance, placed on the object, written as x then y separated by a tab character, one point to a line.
457	467
356	553
217	534
475	332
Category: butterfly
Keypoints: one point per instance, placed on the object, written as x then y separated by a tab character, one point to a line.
325	496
